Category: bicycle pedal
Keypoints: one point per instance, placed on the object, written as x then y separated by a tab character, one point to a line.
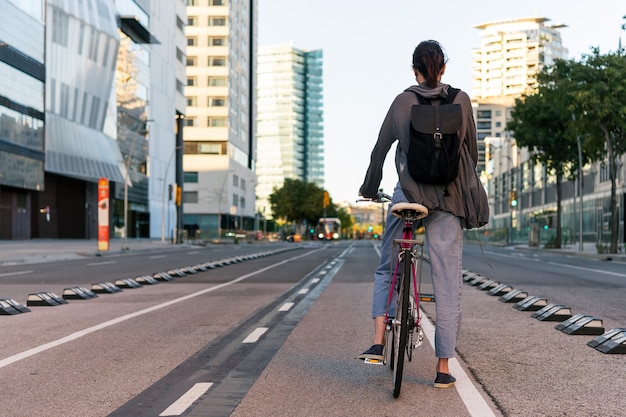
374	361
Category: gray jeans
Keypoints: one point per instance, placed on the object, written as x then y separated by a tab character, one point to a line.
444	242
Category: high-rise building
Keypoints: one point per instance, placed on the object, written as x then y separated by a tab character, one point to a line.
505	66
21	116
290	119
219	128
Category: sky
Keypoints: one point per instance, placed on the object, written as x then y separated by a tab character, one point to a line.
368	45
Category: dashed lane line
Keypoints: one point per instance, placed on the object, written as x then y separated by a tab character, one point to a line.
184	402
8	274
255	335
286	307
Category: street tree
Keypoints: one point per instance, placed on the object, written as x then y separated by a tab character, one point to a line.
539	122
298	202
599	104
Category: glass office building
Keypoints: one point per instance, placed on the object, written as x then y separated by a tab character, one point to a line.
21	116
289	120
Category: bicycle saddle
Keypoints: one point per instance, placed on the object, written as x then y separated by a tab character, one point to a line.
409	211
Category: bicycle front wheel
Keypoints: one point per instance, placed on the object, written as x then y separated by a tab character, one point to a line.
401	325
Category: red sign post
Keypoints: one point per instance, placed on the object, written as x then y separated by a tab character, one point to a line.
103	214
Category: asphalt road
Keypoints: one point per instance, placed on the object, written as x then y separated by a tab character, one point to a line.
277	335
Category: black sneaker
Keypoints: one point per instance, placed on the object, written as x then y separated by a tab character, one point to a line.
375	352
444	380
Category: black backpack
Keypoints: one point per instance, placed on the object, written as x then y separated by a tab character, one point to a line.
433	156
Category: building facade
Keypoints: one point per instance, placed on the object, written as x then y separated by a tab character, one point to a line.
290	119
22	147
108	86
522	194
220	128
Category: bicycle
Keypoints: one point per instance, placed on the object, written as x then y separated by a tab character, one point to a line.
404	332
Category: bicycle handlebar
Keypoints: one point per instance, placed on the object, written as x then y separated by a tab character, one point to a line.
379	198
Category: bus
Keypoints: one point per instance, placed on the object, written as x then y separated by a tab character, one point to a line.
329	228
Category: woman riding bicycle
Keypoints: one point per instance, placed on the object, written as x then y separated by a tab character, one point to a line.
461	203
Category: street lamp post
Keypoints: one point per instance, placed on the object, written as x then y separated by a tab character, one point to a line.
163	196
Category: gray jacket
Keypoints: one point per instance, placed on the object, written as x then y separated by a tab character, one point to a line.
467	198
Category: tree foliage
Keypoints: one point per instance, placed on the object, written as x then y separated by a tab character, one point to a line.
298	201
577	100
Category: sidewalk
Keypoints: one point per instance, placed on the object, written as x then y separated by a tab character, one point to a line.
589	251
16	252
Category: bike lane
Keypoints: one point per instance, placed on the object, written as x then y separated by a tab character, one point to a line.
316	372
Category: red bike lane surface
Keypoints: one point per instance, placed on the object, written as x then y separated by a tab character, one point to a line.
316	373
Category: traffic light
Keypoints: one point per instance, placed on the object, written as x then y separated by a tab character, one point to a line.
513	199
326	199
179	194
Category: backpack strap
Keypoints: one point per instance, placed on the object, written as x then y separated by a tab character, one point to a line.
452	92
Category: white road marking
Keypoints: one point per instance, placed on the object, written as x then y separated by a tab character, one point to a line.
597	271
101	263
475	403
157	256
185	401
315	280
77	335
8	274
255	335
303	291
285	307
193	253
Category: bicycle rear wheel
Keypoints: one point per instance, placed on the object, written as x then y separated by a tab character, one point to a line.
401	325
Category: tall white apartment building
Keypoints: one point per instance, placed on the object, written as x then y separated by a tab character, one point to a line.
219	127
505	66
290	119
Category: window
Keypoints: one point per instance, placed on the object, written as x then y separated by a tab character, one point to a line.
191	177
243	184
235	181
180	87
216	82
217	41
192	2
190	121
217	21
179	23
191	61
235	200
217	122
191	81
205	148
242	202
191	101
217	2
217	61
190	197
180	55
192	21
216	101
192	41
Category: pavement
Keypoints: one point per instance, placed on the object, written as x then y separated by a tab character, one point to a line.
16	252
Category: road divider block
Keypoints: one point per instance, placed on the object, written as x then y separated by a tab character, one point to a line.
165	276
9	306
78	293
553	312
105	288
613	341
513	296
44	299
500	290
488	285
531	303
581	324
146	280
127	283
